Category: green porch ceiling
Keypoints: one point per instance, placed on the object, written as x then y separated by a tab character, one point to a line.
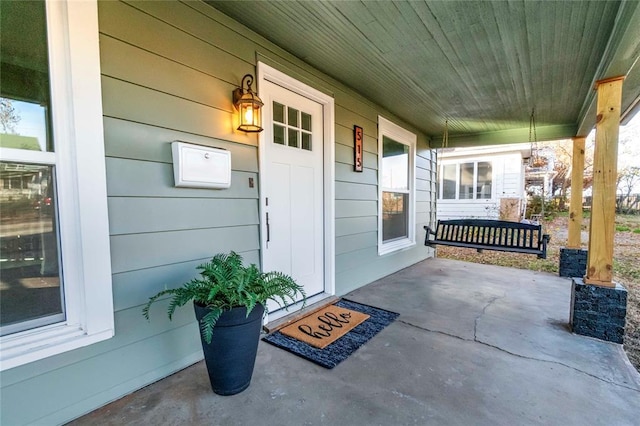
481	65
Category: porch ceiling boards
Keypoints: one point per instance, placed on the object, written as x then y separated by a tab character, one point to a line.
481	65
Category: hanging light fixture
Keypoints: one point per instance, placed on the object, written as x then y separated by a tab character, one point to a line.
249	105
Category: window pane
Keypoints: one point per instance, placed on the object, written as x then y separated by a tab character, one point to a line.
278	112
395	216
483	189
449	182
30	285
395	165
24	92
466	181
278	134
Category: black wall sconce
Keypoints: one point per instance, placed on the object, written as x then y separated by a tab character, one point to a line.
249	105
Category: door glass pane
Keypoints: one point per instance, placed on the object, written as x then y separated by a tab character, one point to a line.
466	181
293	117
278	134
395	215
278	112
483	190
395	164
306	141
449	182
30	285
293	138
306	121
24	92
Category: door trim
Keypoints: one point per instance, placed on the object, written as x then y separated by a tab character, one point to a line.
268	73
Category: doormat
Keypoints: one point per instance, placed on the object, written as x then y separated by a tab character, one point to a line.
323	327
340	349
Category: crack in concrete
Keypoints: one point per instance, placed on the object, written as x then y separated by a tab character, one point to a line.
444	333
475	340
558	363
484	311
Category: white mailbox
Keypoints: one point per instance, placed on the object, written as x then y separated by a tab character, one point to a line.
196	166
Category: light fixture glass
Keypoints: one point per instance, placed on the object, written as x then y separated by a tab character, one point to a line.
249	106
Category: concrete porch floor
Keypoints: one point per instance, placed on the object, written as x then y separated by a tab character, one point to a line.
474	345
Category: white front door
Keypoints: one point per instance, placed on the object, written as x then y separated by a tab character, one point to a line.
292	192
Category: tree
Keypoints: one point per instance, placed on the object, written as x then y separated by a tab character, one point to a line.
628	179
558	155
9	118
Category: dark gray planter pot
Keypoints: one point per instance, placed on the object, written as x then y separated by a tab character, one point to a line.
231	355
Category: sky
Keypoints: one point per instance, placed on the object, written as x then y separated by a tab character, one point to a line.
629	151
32	121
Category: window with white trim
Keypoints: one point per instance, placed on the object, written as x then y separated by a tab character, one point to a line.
55	272
472	180
396	207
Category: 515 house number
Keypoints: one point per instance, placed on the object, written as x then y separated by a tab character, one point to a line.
358	137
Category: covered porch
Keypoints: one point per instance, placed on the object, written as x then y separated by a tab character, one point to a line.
474	344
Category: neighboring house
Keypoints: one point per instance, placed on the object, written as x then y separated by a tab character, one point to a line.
482	182
111	86
540	173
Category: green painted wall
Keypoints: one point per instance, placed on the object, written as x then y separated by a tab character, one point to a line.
168	69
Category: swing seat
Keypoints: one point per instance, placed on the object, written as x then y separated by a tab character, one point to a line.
485	234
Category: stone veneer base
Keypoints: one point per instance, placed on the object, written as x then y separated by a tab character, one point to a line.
598	312
573	262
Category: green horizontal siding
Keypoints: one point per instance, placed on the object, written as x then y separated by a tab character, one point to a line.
132	178
167	76
135	141
133	26
356	191
373	267
73	388
133	288
353	242
344	154
356	208
147	215
147	106
356	225
345	173
138	251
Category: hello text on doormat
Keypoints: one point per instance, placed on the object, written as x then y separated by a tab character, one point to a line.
325	326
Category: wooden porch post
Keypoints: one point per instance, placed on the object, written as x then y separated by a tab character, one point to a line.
575	207
605	170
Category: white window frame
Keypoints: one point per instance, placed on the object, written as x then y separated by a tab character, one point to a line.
401	135
74	64
475	180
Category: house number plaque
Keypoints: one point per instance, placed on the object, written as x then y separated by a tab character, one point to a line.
358	137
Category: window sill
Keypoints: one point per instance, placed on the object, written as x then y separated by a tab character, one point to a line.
394	246
33	345
465	200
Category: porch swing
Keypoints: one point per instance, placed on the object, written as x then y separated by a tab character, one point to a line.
488	234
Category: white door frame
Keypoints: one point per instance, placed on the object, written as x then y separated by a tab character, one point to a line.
268	73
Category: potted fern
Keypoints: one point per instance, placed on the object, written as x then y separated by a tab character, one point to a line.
229	300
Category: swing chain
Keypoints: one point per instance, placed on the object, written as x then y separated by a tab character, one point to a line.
533	138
